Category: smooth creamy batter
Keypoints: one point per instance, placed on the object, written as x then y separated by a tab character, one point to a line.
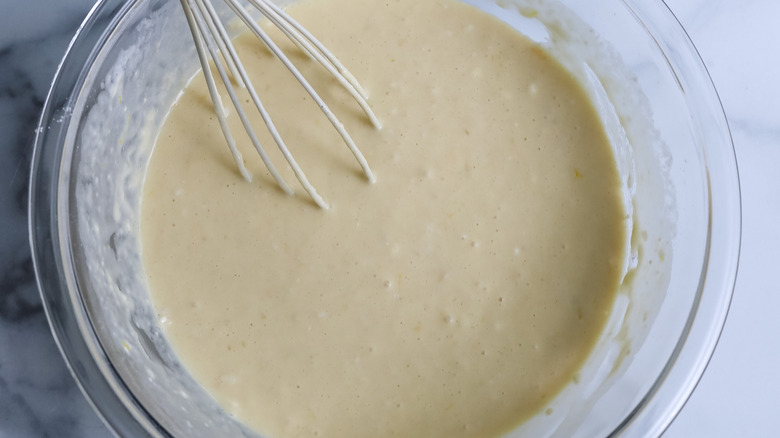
455	297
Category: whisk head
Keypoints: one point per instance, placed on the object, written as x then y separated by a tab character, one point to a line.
211	39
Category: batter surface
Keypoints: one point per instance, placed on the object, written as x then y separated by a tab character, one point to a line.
455	297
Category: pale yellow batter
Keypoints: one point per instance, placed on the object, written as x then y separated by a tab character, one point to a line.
454	297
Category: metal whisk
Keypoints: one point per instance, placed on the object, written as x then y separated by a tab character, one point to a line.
206	26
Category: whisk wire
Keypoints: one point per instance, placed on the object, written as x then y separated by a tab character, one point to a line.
231	54
215	98
298	34
288	22
206	25
199	19
334	120
215	27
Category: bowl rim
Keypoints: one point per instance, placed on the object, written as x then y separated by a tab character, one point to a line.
700	335
85	358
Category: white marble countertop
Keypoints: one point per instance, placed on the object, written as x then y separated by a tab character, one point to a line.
739	394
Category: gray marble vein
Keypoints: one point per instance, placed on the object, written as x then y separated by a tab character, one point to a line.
38	396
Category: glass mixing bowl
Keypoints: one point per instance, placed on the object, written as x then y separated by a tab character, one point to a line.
130	59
